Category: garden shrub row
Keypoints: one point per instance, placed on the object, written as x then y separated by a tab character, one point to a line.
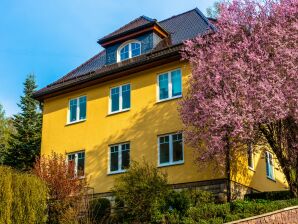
272	195
23	198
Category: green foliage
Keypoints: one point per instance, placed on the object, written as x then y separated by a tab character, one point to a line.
142	189
6	129
272	195
220	213
22	198
213	12
198	197
178	202
24	145
100	209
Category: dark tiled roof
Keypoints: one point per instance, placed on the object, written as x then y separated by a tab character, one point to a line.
138	22
180	27
185	26
110	69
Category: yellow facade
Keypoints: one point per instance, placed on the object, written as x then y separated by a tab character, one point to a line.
141	126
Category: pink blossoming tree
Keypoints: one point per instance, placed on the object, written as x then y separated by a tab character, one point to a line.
244	82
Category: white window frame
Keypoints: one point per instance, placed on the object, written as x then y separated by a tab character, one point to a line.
76	162
119	158
268	160
170	97
120	99
250	150
171	162
129	49
77	110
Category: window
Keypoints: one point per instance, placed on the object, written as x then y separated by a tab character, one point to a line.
119	157
169	85
77	109
269	165
120	98
76	162
250	156
129	50
170	149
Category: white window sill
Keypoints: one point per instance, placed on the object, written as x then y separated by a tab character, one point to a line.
75	122
117	172
272	179
117	112
251	168
171	164
168	99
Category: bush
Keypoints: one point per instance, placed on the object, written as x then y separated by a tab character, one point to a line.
273	195
67	193
143	190
209	211
100	209
22	198
178	201
199	197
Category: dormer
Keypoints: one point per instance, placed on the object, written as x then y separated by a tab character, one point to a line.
134	39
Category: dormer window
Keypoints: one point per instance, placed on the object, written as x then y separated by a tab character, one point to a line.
128	50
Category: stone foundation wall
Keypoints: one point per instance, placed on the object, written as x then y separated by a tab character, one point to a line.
286	215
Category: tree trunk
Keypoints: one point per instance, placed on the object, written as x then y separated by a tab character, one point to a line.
282	137
228	168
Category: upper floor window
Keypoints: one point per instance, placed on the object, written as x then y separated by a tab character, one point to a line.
119	157
120	98
250	156
77	109
169	85
170	149
269	165
76	163
129	50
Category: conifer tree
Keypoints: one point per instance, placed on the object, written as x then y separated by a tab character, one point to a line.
2	133
24	144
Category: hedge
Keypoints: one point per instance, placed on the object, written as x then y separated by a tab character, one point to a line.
23	198
272	195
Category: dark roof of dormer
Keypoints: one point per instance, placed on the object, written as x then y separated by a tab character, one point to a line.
180	28
133	28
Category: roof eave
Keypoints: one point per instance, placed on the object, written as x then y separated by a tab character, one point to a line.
97	77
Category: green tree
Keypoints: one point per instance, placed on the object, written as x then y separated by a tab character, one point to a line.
24	144
142	189
6	129
214	10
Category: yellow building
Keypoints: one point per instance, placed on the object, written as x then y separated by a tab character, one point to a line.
121	106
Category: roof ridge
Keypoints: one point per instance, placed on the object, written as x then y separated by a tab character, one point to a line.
178	15
131	22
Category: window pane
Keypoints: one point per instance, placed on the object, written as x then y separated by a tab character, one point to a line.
163	86
115	99
135	49
114	158
269	165
164	150
73	110
81	164
83	107
126	96
124	53
71	164
177	148
176	83
125	156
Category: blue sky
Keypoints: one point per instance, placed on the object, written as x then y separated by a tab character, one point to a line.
51	37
